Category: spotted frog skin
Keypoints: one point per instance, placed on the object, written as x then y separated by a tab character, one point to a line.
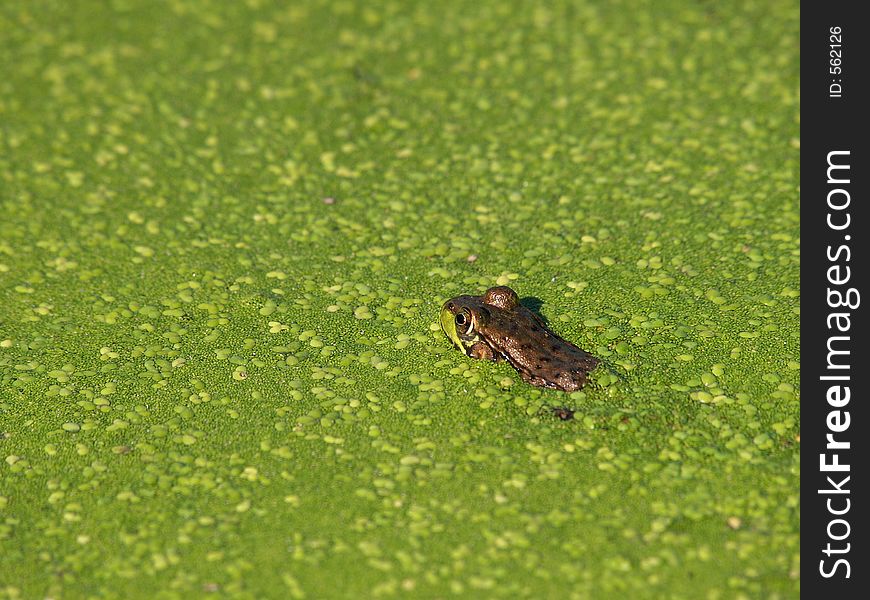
496	326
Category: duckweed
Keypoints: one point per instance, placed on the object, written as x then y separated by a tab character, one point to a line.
226	233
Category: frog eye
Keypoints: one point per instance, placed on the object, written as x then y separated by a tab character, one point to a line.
463	323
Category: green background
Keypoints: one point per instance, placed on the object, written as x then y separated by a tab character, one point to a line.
226	232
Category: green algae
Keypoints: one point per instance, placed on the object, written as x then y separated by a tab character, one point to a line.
226	231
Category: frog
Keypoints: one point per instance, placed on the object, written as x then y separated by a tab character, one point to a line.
495	326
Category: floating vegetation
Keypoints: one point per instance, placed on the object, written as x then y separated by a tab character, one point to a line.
226	233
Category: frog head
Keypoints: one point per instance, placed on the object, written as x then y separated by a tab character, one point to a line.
461	319
465	319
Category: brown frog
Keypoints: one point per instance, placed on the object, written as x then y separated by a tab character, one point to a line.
496	326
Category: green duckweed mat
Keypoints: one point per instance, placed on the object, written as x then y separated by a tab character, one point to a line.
225	235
